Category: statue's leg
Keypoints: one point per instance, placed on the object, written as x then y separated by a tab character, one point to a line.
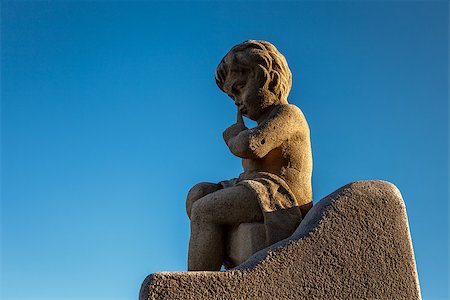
210	217
199	191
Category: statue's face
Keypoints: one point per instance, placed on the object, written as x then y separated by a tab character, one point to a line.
248	95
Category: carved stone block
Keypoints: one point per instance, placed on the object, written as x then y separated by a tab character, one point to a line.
353	244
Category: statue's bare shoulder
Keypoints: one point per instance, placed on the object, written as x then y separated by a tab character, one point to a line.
284	122
292	117
279	143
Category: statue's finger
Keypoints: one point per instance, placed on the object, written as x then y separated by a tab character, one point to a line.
239	118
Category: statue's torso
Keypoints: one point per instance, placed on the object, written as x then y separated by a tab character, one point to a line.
292	161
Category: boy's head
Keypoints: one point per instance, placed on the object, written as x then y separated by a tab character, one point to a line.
261	60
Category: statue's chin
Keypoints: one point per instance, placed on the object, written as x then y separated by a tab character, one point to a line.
244	113
253	118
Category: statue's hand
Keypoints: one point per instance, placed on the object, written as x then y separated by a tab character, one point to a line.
234	129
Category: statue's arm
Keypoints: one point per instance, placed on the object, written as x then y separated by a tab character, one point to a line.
257	142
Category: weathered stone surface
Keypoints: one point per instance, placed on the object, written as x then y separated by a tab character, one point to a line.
244	241
353	244
275	187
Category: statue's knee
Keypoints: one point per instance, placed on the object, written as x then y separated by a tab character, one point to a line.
189	203
202	189
199	191
201	211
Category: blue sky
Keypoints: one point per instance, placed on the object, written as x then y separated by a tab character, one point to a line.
110	114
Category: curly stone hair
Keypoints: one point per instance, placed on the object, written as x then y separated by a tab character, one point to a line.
272	68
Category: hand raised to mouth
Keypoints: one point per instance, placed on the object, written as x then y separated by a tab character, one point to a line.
234	129
239	119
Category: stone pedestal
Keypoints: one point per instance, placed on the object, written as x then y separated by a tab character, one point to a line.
353	244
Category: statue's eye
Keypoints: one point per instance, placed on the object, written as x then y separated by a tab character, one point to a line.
240	85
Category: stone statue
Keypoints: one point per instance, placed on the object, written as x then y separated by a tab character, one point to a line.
358	234
275	187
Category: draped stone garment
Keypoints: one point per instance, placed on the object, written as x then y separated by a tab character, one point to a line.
281	212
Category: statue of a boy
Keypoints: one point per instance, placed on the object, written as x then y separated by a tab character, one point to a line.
275	187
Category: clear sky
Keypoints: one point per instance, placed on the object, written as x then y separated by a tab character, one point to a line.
110	113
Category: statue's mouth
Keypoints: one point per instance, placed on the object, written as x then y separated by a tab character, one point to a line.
243	110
